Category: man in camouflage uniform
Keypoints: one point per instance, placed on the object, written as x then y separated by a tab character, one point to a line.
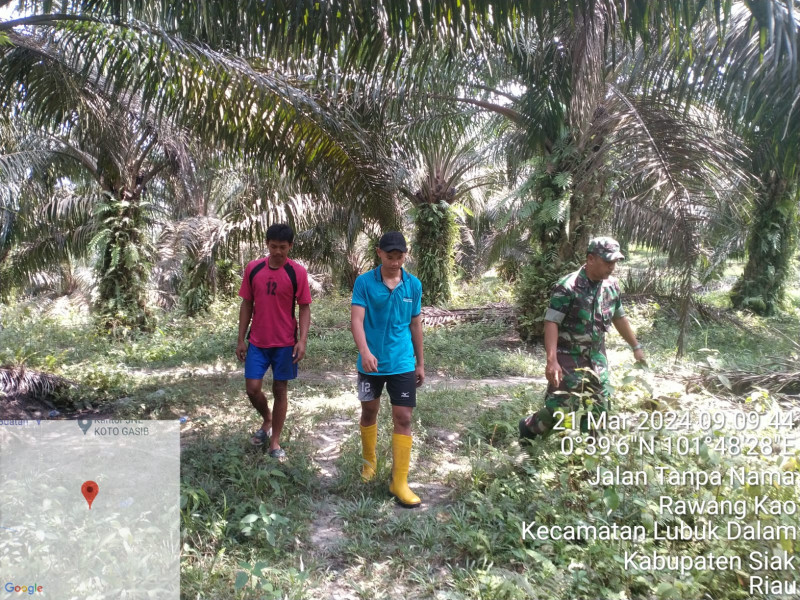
583	306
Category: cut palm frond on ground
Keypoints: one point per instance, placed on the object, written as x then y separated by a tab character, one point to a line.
17	381
498	311
780	375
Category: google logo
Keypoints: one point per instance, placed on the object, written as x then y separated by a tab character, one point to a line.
24	589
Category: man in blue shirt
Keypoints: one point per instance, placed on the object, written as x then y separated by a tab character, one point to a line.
386	326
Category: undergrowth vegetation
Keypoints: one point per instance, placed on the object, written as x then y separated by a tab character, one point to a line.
255	528
241	517
546	484
63	342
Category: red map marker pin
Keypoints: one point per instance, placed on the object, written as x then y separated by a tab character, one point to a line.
89	490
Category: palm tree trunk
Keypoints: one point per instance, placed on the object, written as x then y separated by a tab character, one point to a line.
351	271
590	212
123	265
434	247
589	217
769	247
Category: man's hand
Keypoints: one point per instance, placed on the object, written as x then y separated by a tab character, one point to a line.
553	373
419	373
241	350
299	352
368	362
638	354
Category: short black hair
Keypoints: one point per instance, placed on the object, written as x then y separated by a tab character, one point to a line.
280	232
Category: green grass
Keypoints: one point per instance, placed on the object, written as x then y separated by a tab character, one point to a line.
486	290
66	344
238	507
248	523
69	338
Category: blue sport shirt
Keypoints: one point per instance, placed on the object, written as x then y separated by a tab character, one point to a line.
387	316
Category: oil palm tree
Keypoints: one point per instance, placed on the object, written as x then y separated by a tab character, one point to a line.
119	152
340	240
45	212
449	174
126	121
749	79
564	69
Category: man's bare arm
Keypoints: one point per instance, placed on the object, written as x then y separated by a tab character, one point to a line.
368	362
245	314
552	370
304	318
416	340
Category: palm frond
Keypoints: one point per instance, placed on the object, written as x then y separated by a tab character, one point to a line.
218	97
755	58
674	173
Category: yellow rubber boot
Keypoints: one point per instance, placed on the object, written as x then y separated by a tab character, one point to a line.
369	439
401	458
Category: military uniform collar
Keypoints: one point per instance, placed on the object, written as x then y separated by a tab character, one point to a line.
588	282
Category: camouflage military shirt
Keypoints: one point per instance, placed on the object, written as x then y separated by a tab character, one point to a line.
583	310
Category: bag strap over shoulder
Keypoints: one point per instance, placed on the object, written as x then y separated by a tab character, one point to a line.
292	277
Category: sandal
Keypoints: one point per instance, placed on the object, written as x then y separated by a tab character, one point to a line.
260	436
278	453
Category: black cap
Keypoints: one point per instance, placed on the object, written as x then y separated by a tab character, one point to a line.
393	240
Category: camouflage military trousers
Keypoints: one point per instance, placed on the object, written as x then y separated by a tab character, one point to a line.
581	388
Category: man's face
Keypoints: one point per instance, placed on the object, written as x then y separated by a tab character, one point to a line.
279	250
598	269
392	261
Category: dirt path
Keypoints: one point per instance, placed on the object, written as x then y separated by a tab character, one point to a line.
435	381
334	377
327	538
326	534
26	407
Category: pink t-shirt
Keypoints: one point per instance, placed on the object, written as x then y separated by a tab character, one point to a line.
273	324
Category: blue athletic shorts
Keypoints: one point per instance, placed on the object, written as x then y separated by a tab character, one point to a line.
259	360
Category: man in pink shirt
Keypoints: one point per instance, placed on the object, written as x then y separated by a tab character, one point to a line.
270	289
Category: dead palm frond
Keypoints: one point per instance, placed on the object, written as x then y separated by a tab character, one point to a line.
21	382
779	375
